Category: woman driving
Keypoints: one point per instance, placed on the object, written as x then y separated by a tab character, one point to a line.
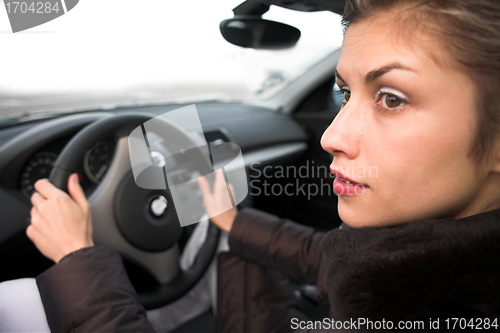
421	242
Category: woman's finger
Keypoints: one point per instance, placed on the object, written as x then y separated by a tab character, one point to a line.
220	182
46	188
204	186
33	213
37	199
76	191
31	232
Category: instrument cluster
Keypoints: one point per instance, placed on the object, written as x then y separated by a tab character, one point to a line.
95	163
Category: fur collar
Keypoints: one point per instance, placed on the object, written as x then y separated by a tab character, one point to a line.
430	268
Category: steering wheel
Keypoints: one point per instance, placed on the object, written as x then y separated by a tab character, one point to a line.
123	214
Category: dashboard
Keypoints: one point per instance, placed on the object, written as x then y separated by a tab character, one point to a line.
28	151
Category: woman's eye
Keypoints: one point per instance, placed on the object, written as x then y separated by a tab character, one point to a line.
391	101
347	95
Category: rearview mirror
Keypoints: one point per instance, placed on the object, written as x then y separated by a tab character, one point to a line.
257	33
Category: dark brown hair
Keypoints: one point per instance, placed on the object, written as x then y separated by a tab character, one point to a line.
469	32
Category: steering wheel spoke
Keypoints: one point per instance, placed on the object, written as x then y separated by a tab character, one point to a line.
162	265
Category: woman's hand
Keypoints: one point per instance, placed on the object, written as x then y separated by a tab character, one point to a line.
217	201
60	224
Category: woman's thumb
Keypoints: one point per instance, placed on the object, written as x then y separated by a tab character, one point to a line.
76	191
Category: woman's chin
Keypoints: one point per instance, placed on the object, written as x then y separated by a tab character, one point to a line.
353	211
357	214
351	214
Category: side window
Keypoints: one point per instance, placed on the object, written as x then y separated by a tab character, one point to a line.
337	97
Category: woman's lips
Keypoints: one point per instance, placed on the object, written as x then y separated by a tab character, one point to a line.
345	186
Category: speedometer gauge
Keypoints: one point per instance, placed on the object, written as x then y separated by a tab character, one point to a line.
38	167
97	160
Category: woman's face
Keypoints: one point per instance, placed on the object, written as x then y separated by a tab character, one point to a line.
404	132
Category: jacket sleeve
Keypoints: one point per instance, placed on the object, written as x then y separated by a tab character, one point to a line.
89	291
277	243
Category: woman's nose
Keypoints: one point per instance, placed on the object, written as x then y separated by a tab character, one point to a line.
343	136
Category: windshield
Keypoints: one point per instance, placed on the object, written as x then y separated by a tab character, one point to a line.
105	54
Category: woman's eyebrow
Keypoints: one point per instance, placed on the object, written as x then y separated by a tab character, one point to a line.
375	74
337	75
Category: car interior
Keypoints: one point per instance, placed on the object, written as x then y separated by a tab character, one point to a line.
278	133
